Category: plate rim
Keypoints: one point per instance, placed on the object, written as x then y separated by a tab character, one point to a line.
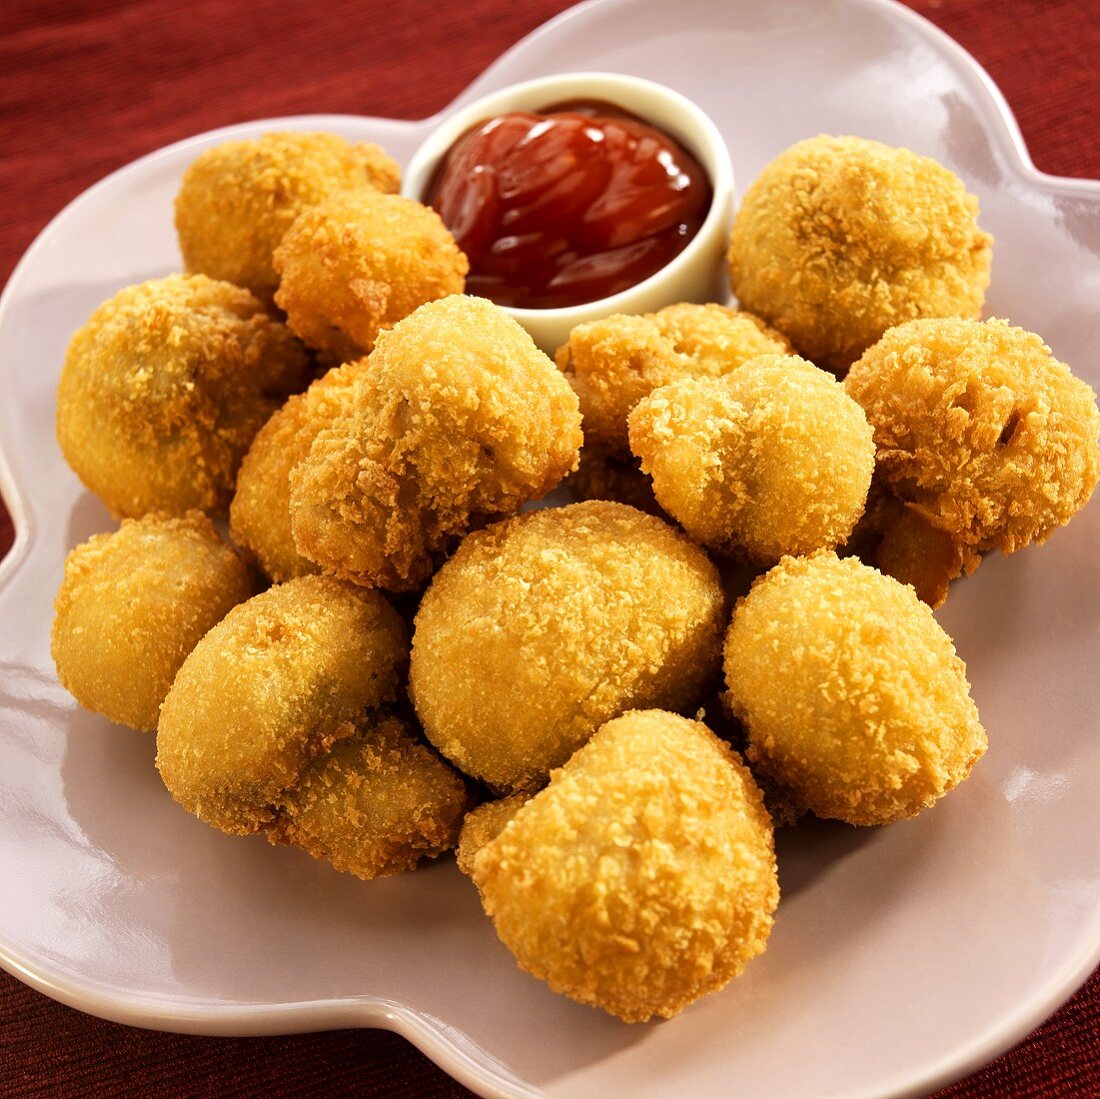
424	1031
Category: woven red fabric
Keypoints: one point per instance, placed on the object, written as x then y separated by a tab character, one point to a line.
86	87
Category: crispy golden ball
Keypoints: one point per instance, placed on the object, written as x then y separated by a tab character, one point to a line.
981	432
164	388
273	685
643	876
458	418
259	514
613	363
485	823
773	459
375	804
851	693
238	199
542	627
133	604
841	238
355	264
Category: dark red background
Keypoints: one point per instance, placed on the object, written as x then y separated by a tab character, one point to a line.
87	86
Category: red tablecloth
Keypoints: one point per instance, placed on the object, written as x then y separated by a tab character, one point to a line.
86	86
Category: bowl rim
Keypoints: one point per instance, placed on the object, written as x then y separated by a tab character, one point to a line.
706	143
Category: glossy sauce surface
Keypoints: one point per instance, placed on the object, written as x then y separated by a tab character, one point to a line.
569	205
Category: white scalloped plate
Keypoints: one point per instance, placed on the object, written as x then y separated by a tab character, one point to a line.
901	958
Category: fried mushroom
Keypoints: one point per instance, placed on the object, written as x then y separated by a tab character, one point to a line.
238	199
458	418
985	441
375	804
643	876
165	387
356	263
773	459
274	685
852	695
841	238
132	606
542	627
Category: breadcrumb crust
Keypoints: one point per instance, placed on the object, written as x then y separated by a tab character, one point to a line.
841	238
132	606
165	387
458	418
613	363
773	459
542	627
851	693
643	876
269	688
238	199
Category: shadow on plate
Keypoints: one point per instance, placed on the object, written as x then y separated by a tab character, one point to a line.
89	516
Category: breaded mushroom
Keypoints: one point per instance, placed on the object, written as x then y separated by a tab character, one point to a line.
356	263
841	238
259	514
613	363
485	823
773	459
852	696
458	418
164	388
133	604
271	687
985	440
542	627
238	199
375	804
643	876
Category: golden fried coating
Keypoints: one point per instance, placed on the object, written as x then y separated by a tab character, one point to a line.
356	263
717	339
238	199
982	435
133	604
851	693
273	685
643	876
164	388
603	476
259	514
613	363
773	459
483	824
375	804
840	238
542	627
457	418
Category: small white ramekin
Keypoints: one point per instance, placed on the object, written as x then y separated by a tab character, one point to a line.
695	274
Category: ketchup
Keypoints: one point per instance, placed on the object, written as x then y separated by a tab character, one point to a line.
569	205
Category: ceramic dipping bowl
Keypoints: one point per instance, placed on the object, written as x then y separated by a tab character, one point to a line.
695	274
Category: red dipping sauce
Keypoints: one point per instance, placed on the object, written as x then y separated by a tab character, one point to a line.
569	205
